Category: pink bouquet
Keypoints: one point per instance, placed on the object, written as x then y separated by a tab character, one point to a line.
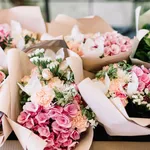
107	44
14	36
52	105
126	82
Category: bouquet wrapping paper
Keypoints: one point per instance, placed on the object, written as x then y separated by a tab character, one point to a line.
19	62
62	25
112	115
4	101
140	21
30	18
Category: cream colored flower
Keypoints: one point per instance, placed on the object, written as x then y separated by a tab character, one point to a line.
47	74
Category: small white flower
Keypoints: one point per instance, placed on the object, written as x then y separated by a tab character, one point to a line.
148	105
141	97
34	59
53	64
146	91
138	101
93	122
134	96
144	102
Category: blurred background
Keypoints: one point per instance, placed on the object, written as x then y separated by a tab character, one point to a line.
119	14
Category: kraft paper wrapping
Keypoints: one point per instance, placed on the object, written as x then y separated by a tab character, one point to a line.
4	101
112	115
30	18
62	25
20	65
140	34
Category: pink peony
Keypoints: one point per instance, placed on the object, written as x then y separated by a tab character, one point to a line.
23	117
63	121
2	77
44	131
137	70
71	110
115	49
30	107
29	124
75	135
145	78
42	117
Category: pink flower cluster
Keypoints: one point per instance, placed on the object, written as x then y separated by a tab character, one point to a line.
115	43
4	31
53	124
143	75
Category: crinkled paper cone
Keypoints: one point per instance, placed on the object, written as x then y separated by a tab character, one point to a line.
115	121
62	25
4	101
19	66
140	34
91	63
30	18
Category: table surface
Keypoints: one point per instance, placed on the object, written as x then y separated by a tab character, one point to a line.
15	145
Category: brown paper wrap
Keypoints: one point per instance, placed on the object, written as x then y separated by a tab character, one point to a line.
112	115
4	101
62	25
30	18
20	66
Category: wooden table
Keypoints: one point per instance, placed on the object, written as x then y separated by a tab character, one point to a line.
15	145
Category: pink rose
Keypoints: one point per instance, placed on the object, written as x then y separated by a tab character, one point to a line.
67	143
75	135
141	86
115	49
56	128
61	139
145	78
2	77
30	107
29	124
54	112
23	117
137	70
71	110
63	121
44	131
42	117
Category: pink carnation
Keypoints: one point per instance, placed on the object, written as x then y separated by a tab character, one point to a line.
44	131
71	110
23	117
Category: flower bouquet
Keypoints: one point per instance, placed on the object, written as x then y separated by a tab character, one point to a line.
124	90
20	33
5	128
53	113
97	47
140	50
